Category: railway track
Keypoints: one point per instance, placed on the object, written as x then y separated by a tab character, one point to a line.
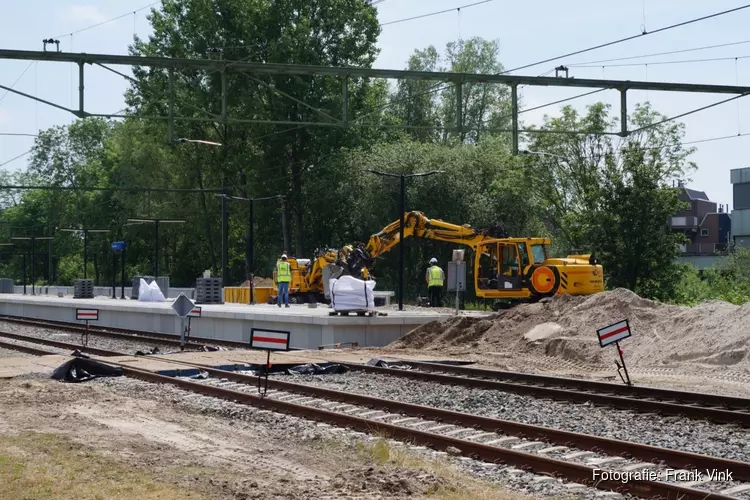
717	408
571	456
124	333
713	407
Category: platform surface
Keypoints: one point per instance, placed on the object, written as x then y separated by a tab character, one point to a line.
295	313
309	327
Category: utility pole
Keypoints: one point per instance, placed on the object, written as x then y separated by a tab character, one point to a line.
402	211
85	231
156	223
250	231
224	188
33	259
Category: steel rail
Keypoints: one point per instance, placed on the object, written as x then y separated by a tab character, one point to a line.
647	453
620	389
574	472
541	465
124	333
621	402
62	345
26	349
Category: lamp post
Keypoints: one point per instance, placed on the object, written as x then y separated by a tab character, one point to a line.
156	223
224	211
7	244
543	153
402	211
33	240
251	232
85	231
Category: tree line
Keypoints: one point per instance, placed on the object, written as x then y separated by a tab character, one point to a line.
588	190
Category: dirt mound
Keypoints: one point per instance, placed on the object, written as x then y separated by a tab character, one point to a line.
713	333
258	282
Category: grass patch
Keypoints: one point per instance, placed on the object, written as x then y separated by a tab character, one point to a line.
455	484
49	467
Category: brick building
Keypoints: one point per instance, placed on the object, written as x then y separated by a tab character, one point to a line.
706	225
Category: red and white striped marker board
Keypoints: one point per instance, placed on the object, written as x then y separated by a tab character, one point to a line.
270	340
87	314
613	333
195	313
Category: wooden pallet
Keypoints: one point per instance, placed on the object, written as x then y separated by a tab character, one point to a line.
363	312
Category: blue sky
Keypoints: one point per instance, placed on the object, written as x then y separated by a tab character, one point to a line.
527	32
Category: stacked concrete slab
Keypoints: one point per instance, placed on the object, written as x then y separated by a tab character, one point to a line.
209	291
83	289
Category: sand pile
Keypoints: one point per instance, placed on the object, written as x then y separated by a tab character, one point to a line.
258	282
713	333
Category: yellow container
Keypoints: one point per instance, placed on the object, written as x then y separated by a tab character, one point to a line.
241	295
261	294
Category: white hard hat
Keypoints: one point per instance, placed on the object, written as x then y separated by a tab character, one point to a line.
283	256
433	260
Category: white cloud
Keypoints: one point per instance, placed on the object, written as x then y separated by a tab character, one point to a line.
84	14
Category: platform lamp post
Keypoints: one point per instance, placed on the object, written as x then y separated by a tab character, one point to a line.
85	231
156	222
9	244
542	153
251	233
33	240
402	211
224	212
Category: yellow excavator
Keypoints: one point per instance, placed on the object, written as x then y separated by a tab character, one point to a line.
504	268
510	269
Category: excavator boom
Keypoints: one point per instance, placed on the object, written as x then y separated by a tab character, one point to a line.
504	268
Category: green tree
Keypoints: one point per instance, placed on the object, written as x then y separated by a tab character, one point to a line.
481	185
613	197
261	159
422	103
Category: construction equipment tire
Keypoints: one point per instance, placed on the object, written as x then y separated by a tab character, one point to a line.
543	281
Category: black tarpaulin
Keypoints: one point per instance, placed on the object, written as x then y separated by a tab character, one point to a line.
83	369
317	369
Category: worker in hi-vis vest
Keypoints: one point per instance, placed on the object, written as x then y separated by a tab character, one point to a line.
435	278
283	278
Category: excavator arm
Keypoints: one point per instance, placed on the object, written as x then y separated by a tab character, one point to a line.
417	225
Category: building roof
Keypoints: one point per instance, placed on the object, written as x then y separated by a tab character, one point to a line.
692	194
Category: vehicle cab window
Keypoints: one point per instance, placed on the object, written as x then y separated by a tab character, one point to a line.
510	261
539	253
523	252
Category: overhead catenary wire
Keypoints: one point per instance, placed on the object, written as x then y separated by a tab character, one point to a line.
655	54
633	37
442	86
682	115
12	85
128	13
436	13
660	63
16	157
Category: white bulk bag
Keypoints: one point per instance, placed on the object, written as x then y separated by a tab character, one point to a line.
350	294
149	292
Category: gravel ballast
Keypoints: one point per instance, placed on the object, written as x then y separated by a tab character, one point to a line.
725	441
294	428
94	341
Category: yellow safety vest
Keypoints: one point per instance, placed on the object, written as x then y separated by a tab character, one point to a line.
436	276
283	272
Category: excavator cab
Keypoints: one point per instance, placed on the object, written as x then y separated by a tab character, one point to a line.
502	265
520	268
